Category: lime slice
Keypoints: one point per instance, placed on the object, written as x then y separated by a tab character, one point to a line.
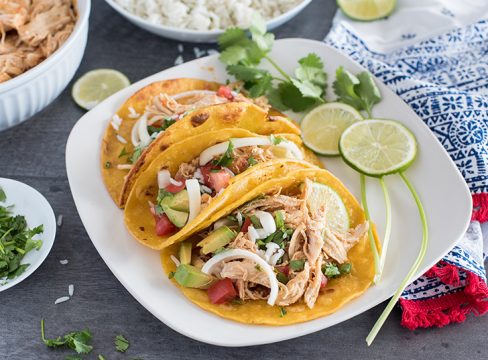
337	216
97	85
367	10
378	147
323	126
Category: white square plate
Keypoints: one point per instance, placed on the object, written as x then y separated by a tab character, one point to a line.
443	191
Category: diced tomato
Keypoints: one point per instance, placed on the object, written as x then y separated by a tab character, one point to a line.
218	180
222	291
246	224
164	226
175	188
323	281
225	92
285	269
205	170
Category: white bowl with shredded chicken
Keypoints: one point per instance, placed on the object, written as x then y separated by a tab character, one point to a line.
203	20
28	93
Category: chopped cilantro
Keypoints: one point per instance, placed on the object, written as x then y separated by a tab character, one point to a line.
227	158
279	219
251	161
108	165
282	311
275	140
101	357
121	344
171	275
135	155
345	268
297	265
282	278
76	340
3	197
123	152
331	270
258	268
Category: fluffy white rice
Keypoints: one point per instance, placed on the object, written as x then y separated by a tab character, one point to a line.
206	14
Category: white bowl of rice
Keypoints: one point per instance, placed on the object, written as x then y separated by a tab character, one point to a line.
203	20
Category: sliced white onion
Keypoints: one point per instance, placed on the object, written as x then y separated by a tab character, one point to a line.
121	139
262	234
115	125
144	136
116	119
193	92
194	198
164	178
218	149
293	148
252	233
267	221
245	254
134	135
205	189
229	171
221	222
175	182
124	166
239	218
175	260
276	257
271	248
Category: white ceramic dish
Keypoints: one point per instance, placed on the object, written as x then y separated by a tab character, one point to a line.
30	203
208	36
139	270
30	92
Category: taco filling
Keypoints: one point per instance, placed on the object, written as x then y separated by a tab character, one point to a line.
164	110
280	248
180	199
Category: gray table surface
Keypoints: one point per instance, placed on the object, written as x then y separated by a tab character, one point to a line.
34	153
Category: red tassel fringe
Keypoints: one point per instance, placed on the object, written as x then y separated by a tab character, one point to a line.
480	207
447	309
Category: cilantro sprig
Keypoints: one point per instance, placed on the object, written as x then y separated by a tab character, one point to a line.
121	343
243	55
79	341
358	91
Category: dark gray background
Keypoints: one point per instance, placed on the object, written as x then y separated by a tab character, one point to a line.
34	153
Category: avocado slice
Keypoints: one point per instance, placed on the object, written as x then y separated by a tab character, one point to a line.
217	239
178	201
189	276
178	218
185	252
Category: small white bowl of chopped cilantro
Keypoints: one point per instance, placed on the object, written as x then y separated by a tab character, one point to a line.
27	231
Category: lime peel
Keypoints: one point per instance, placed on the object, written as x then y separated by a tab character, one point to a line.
367	10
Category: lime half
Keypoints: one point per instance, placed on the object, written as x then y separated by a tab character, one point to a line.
378	147
97	85
367	10
337	216
323	126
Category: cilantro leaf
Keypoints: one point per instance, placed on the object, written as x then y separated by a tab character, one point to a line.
261	87
246	73
368	91
297	265
3	196
312	69
274	99
292	98
227	158
251	161
77	340
331	270
360	92
233	55
282	311
121	344
263	40
231	37
123	152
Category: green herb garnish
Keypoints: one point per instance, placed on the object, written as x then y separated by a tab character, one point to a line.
255	221
331	270
282	278
297	265
101	357
76	340
360	92
282	311
123	152
108	165
171	275
121	344
275	140
251	161
243	55
279	219
227	158
16	240
3	197
345	268
135	155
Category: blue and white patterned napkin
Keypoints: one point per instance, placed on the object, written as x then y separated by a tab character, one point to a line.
443	77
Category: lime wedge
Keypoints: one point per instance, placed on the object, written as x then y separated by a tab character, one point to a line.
97	85
323	126
337	216
378	147
367	10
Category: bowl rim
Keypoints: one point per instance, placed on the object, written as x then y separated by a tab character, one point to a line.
137	19
55	56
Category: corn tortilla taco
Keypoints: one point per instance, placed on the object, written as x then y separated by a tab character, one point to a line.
192	179
291	250
166	112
